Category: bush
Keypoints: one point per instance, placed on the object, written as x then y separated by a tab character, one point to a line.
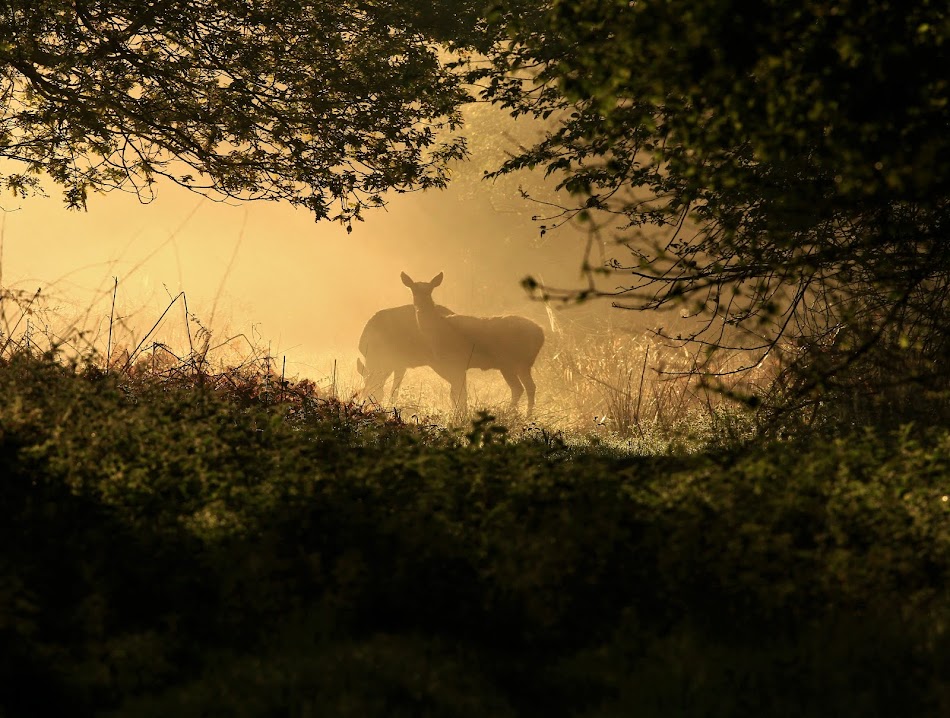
175	547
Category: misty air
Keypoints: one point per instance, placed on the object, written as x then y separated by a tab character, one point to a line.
446	359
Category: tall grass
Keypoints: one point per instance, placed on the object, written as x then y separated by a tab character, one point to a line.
602	385
641	391
176	349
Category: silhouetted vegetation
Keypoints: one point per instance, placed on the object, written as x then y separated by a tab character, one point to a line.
774	170
219	545
177	540
323	104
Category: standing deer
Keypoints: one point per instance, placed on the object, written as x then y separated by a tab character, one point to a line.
459	343
391	343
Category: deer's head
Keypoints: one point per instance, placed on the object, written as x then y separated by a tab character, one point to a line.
422	291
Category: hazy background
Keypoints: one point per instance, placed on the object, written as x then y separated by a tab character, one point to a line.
302	290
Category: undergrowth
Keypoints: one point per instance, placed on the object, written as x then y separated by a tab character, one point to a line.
197	542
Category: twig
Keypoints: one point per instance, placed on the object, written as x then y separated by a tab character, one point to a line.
15	326
115	289
283	373
643	372
191	346
129	361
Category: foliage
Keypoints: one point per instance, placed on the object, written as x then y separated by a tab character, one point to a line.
324	104
775	168
181	548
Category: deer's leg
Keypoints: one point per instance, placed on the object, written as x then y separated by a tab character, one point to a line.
529	386
373	387
399	374
514	383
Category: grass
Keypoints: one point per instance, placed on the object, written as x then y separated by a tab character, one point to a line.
600	387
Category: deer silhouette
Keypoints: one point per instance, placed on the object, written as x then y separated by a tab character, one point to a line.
391	343
459	342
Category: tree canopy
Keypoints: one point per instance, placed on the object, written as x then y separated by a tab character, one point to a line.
324	104
781	167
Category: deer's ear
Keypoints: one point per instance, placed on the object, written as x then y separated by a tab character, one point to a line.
406	279
436	280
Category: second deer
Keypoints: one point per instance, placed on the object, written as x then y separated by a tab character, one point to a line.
459	342
391	343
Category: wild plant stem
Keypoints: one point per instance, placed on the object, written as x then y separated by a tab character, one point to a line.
191	346
643	373
15	326
115	289
283	374
129	361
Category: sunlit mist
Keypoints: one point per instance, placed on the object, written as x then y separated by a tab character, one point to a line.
267	275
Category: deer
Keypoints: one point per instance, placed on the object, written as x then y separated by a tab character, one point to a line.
391	343
458	342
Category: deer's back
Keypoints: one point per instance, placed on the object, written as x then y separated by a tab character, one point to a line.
487	342
392	336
